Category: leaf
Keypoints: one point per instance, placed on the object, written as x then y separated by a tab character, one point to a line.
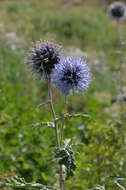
41	124
17	182
65	156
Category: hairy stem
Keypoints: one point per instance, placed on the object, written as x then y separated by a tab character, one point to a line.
62	130
120	71
61	180
53	113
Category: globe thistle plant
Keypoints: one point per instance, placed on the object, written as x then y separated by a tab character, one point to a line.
117	10
67	74
42	58
71	73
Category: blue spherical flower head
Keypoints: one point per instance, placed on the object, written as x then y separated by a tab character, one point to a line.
71	73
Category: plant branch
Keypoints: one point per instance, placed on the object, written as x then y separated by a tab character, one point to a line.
61	181
120	69
62	130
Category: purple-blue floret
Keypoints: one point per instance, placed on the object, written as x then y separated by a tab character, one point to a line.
71	73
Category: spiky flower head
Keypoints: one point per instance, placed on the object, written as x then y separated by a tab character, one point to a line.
117	10
42	58
71	73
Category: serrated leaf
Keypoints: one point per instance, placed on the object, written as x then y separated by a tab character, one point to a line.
65	156
17	182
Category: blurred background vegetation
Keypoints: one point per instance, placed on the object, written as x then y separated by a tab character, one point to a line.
83	28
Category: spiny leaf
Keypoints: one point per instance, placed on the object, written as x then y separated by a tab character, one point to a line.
41	124
17	182
65	156
70	116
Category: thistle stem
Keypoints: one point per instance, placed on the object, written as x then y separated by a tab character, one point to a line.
62	130
62	121
53	113
120	72
61	180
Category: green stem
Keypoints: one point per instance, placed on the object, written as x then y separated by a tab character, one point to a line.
120	72
61	181
53	113
62	130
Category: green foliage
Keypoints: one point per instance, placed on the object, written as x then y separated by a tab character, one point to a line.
65	156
